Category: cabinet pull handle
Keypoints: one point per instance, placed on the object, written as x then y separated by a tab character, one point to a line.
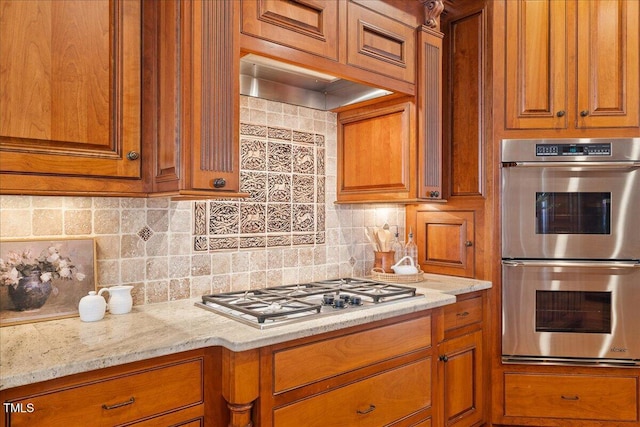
133	155
468	243
118	405
570	397
560	113
371	408
444	358
584	113
219	183
463	314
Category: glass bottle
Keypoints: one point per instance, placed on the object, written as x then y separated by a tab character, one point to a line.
411	249
397	248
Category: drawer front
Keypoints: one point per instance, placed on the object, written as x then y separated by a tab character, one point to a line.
571	396
463	313
375	401
116	400
302	365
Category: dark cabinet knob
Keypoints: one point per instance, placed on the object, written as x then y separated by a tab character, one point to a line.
560	113
468	243
219	183
443	358
584	113
434	194
133	155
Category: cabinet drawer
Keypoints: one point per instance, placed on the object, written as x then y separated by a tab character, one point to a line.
463	313
571	396
116	400
375	401
295	367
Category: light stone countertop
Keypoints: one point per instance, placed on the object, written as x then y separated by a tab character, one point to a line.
41	351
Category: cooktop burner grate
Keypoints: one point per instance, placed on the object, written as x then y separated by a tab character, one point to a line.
287	303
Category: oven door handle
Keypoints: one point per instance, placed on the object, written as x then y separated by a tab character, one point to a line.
577	164
592	264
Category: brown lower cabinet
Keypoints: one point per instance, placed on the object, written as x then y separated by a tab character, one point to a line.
169	390
378	374
419	369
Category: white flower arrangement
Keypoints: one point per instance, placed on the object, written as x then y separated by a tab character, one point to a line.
50	264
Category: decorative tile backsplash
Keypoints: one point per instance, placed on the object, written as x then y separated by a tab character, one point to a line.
288	231
283	171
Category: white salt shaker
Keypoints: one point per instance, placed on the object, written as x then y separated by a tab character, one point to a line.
92	307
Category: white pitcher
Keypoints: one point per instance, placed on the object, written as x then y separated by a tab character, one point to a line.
92	307
120	300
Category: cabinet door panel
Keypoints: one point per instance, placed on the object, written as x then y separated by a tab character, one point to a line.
536	66
70	94
309	25
445	242
380	44
462	379
608	73
375	148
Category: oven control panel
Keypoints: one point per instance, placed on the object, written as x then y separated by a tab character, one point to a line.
573	149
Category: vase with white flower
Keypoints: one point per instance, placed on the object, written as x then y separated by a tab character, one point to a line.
29	277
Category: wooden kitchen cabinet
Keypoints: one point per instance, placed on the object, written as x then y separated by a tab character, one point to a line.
446	242
377	152
572	64
376	374
309	26
461	364
168	390
70	74
371	42
192	101
380	43
560	398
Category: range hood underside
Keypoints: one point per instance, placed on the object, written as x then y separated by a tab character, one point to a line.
282	82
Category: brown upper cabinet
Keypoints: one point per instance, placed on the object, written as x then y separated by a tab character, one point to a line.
192	106
370	42
309	26
70	79
572	64
377	152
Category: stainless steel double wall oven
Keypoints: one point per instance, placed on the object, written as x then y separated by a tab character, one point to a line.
571	251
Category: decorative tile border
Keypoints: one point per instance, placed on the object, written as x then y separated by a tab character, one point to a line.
283	171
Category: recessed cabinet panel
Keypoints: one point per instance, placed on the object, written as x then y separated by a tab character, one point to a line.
465	97
380	44
309	25
375	148
446	242
608	73
70	74
536	66
461	364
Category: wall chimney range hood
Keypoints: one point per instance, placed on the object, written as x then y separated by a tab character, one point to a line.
274	80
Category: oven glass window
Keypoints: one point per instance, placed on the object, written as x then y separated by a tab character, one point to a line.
573	311
573	213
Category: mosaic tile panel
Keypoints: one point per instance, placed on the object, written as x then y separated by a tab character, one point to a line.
283	171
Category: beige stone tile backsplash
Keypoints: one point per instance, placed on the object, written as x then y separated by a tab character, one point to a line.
149	242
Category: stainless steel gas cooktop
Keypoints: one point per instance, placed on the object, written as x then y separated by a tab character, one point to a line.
279	305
